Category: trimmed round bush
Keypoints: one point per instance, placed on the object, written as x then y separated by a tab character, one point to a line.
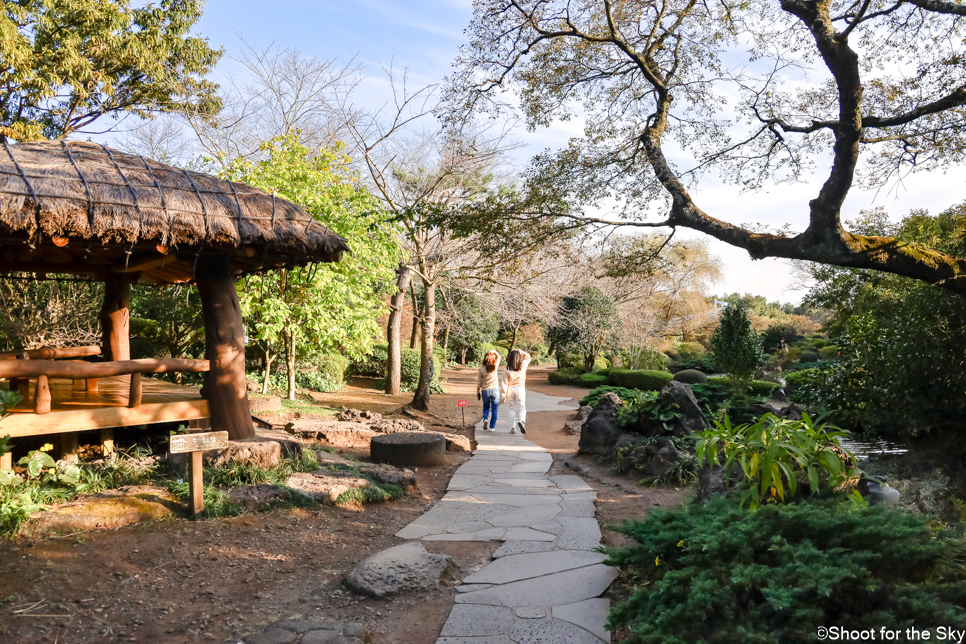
333	367
646	379
830	352
808	356
691	377
593	379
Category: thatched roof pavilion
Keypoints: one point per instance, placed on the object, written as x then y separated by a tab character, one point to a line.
83	209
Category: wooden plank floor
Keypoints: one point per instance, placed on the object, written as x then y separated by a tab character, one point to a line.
73	411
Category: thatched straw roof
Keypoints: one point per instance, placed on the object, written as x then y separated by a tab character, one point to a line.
102	207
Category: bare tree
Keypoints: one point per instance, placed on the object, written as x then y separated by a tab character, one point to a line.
285	91
871	89
418	174
162	138
50	313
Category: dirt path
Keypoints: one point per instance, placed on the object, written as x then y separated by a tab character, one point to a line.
198	581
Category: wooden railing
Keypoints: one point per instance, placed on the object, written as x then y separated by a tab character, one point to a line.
19	370
51	353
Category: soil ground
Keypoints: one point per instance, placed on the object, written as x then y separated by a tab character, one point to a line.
183	581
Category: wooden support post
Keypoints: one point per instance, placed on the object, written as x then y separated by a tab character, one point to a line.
225	387
196	502
42	396
134	393
107	441
116	318
92	385
68	447
6	461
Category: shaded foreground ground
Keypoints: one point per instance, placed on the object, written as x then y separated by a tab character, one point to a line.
212	580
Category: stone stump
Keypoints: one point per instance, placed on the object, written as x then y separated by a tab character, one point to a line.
409	449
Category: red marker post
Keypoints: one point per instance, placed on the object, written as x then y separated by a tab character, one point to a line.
462	405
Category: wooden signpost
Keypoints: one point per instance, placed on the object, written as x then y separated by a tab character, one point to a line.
196	444
462	405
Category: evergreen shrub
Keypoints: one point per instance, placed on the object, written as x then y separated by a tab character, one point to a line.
568	376
719	574
647	379
592	379
691	376
691	351
754	387
593	396
828	352
808	356
373	365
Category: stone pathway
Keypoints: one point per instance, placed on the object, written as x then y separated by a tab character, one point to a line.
545	581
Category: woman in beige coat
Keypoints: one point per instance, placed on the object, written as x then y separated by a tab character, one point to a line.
513	389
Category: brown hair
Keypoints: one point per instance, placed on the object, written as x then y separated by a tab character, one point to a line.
514	361
490	360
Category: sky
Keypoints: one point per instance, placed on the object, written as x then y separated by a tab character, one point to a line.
424	35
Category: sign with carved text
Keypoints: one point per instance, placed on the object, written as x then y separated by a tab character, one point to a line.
181	443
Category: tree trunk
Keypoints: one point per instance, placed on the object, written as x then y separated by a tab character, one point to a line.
116	318
269	359
426	367
290	339
589	360
463	356
393	366
412	336
225	387
446	342
513	342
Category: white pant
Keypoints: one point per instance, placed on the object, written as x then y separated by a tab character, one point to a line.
516	397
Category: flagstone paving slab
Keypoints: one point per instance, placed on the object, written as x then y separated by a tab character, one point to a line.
524	566
555	589
549	631
520	547
590	614
544	583
470	620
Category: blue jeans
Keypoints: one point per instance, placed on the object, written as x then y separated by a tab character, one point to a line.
491	400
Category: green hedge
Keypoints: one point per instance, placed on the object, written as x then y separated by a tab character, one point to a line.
569	376
333	366
646	379
719	574
755	387
592	379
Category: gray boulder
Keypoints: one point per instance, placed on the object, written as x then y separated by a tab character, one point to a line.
601	432
400	568
659	457
692	418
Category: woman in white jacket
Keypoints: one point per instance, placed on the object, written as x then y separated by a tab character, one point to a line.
513	389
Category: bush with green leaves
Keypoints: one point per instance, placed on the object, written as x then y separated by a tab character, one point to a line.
593	396
691	351
569	376
778	456
644	413
808	356
691	377
829	352
737	347
373	365
704	365
409	370
752	387
646	379
644	357
719	574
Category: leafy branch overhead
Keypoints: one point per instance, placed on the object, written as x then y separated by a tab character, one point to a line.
69	63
